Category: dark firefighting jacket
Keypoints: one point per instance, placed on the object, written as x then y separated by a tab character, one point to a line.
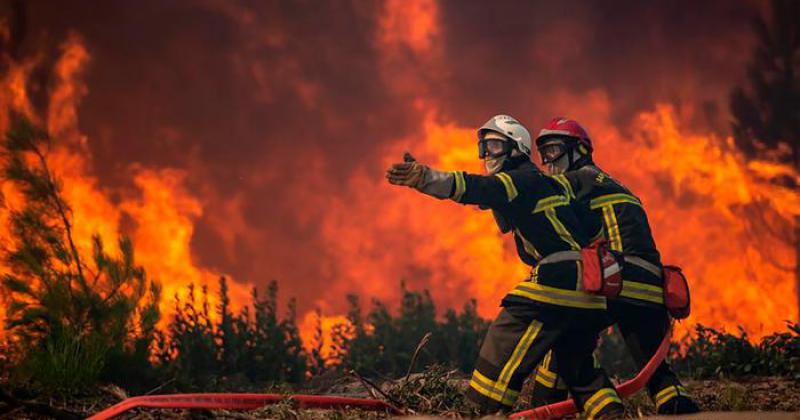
543	224
605	206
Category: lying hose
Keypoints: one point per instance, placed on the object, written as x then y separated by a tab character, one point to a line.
625	390
240	402
254	401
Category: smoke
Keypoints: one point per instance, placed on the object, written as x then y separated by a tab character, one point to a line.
268	125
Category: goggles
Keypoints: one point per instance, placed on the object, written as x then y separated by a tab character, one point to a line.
553	150
493	148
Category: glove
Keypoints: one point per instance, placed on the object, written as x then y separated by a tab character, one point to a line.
410	173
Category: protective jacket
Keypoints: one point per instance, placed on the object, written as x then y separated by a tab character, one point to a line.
543	224
604	204
549	311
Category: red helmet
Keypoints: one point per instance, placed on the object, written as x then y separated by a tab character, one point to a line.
562	126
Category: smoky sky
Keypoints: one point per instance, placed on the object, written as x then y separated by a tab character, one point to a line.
255	99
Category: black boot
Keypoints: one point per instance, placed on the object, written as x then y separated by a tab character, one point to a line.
680	404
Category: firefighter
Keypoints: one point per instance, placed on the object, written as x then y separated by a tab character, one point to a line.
603	203
547	310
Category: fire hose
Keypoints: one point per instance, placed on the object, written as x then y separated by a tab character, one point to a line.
214	401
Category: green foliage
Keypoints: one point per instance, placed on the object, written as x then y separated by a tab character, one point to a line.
67	362
70	311
717	354
202	353
383	345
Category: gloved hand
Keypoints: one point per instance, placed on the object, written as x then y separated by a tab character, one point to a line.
409	173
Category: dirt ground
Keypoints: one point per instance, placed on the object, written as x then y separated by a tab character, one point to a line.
758	398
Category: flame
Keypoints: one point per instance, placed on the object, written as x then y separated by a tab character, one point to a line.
714	212
164	212
316	331
699	193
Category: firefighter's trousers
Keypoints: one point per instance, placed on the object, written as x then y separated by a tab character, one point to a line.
643	328
517	342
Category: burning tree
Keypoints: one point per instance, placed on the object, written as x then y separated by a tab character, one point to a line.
69	311
766	111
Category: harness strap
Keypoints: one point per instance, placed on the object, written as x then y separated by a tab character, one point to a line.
644	264
561	256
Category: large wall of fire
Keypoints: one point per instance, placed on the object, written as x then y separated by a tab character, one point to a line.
248	139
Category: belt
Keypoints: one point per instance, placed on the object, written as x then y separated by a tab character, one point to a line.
561	256
644	264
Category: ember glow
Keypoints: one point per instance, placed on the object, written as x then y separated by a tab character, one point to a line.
256	149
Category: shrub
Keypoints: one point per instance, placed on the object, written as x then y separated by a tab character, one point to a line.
711	353
382	344
69	310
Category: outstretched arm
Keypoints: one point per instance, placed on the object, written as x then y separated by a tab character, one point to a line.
489	191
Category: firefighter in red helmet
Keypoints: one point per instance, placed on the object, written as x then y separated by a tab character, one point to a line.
604	204
546	311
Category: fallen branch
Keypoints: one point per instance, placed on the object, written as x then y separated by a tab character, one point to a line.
420	345
372	388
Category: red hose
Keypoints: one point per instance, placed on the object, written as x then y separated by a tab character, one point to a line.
625	390
253	401
240	402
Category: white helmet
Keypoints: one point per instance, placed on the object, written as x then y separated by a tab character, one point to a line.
509	127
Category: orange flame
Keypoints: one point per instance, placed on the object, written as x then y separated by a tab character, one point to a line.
712	211
163	210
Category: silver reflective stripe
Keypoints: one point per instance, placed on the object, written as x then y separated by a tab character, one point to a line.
561	256
642	263
437	183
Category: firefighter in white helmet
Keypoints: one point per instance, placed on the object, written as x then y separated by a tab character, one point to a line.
548	310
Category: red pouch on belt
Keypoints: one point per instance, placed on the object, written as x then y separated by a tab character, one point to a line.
602	273
676	292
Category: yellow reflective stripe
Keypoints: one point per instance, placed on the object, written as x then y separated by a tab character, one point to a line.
560	229
486	382
511	190
550	202
546	361
543	378
668	393
642	291
519	353
612	228
546	377
548	206
461	186
611	199
565	184
528	246
600	400
486	387
556	296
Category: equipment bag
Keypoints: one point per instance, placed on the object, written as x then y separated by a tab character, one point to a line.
676	292
602	271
